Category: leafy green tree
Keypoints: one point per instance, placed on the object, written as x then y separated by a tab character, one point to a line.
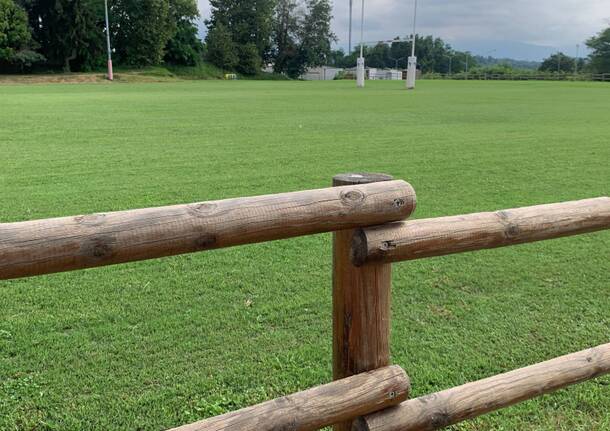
559	62
316	33
249	22
69	32
600	55
141	30
220	48
249	60
15	35
302	36
184	47
463	62
285	35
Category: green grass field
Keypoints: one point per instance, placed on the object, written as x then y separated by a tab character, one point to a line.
155	344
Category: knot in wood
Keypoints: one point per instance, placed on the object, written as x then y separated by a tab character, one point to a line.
387	245
205	241
512	230
100	248
440	419
352	198
202	209
90	220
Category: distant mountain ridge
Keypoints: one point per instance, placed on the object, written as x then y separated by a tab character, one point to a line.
515	64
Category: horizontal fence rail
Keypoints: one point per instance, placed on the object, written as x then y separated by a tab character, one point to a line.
69	243
474	399
416	239
366	212
318	407
476	76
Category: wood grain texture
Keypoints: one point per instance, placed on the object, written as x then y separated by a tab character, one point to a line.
69	243
416	239
474	399
361	305
317	407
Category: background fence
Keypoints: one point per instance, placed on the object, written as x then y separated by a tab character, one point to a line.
476	76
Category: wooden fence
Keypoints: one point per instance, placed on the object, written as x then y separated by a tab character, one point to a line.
366	212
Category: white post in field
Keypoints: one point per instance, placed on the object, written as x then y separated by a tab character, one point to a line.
360	65
412	65
110	73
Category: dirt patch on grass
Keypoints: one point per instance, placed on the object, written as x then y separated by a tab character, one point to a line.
64	78
81	78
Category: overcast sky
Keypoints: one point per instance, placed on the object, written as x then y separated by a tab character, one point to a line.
522	29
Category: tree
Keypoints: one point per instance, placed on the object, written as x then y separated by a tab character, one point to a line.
285	35
249	60
302	36
141	30
316	33
249	23
559	63
14	30
220	49
69	32
184	47
16	45
600	55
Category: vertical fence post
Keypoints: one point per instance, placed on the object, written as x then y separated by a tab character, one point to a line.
361	304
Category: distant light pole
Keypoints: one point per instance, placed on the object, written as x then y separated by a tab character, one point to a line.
576	59
450	57
351	7
360	63
559	62
396	60
110	74
412	65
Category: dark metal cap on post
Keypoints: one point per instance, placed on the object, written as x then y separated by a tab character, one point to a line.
360	178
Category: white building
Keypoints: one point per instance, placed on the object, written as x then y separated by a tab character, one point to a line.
323	73
384	74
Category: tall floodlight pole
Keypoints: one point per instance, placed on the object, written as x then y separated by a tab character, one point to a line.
412	65
351	8
110	74
360	64
576	59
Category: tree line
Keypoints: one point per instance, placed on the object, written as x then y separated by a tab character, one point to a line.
243	36
70	34
433	55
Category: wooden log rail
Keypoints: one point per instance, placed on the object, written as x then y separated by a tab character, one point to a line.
318	407
416	239
474	399
70	243
365	212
